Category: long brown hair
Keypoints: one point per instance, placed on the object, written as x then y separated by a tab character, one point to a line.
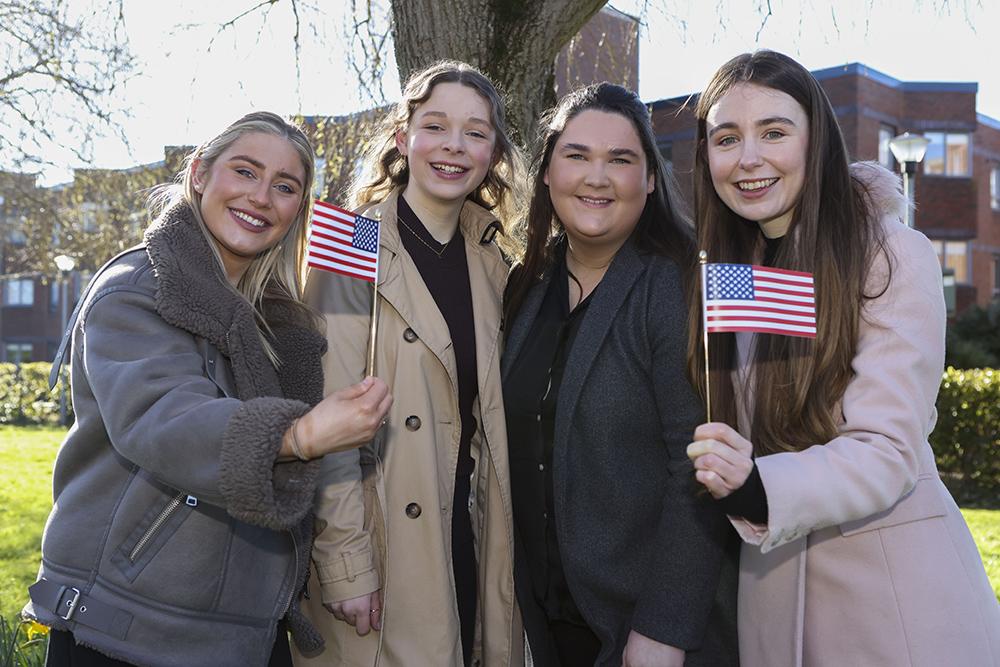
796	383
387	168
663	226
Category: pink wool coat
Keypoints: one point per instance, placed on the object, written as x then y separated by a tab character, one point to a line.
866	560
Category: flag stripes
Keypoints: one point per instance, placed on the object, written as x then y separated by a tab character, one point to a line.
343	242
745	297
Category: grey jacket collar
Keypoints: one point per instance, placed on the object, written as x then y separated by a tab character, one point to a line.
626	267
192	294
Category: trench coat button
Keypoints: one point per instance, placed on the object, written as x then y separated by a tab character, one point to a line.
413	422
410	335
413	510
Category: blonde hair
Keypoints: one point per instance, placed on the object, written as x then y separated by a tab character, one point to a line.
386	168
276	273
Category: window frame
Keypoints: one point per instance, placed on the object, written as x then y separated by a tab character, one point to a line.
944	156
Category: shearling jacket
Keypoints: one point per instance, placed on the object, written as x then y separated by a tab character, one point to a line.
384	511
176	538
865	558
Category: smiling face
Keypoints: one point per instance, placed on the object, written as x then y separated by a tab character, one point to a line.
250	197
449	145
757	143
598	179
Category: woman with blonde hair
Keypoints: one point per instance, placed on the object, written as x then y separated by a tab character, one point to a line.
414	531
181	527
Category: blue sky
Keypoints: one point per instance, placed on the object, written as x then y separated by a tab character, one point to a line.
185	92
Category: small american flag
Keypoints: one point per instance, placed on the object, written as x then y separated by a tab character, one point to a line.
343	242
745	297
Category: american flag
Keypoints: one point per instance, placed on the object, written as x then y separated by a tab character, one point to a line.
343	242
745	297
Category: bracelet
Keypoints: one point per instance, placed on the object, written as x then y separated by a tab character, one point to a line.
296	449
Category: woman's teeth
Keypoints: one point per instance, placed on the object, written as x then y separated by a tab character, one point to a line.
449	168
248	218
749	186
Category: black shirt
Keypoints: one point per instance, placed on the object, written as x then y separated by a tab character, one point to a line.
531	395
445	271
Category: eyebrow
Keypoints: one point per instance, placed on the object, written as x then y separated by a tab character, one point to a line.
260	165
773	120
473	119
583	148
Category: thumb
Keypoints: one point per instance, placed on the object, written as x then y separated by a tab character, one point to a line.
355	390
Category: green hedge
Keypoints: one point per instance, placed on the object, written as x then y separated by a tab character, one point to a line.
25	397
966	440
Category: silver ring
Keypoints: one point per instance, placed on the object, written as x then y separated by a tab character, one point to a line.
375	610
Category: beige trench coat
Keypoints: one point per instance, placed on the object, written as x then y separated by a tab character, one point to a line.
866	560
384	513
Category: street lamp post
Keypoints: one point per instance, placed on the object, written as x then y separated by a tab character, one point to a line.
908	150
65	264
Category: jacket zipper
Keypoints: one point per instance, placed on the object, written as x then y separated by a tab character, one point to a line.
152	530
295	573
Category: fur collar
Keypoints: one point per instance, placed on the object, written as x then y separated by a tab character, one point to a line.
885	190
192	294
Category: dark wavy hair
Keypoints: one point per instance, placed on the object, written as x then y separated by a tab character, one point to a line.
663	228
797	382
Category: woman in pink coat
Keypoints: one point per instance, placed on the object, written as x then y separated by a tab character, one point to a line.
854	552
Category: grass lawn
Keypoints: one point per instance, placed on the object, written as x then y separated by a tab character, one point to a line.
26	456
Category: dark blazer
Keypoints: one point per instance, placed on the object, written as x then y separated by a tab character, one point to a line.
642	548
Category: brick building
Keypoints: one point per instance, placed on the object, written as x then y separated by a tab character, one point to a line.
97	214
957	187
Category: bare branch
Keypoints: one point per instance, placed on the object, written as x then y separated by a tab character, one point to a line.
763	23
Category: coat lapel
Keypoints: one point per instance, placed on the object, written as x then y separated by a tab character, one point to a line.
602	312
521	326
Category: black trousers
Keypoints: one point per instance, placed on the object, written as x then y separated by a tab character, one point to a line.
575	645
65	652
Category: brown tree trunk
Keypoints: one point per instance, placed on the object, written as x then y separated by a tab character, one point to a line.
515	42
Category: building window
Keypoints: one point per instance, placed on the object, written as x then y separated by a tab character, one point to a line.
18	353
995	188
19	292
54	295
948	154
954	255
88	216
996	275
319	180
885	134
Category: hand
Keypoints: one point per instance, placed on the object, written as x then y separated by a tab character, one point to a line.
345	419
723	459
641	651
363	612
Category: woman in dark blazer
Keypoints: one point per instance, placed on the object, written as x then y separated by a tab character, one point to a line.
619	560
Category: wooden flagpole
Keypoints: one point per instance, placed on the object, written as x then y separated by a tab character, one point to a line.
374	331
702	261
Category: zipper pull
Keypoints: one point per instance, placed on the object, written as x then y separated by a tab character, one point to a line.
191	501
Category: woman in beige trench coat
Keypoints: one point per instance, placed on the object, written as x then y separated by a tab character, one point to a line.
395	580
854	552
